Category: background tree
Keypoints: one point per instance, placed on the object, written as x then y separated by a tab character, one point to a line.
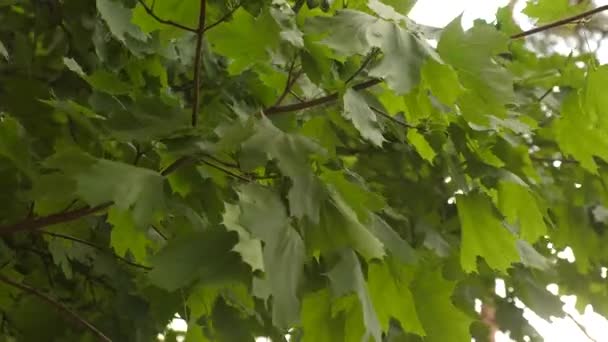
305	170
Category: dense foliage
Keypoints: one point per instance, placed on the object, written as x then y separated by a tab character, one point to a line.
305	168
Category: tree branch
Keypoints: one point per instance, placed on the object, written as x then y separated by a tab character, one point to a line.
560	22
197	60
164	21
319	101
223	18
59	306
49	220
99	248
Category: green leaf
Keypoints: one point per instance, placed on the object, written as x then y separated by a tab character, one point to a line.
291	152
433	298
362	116
317	319
483	234
118	19
551	10
186	259
422	146
184	12
14	145
442	81
227	39
345	278
249	248
403	53
576	119
472	54
339	227
392	298
520	208
348	34
126	236
263	214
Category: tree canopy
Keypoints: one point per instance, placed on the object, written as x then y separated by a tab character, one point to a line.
314	170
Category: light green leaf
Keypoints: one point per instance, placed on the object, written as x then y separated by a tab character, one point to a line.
317	319
346	33
227	39
576	119
471	53
249	248
422	146
126	236
520	208
483	234
390	293
118	19
550	10
403	55
433	298
363	117
442	81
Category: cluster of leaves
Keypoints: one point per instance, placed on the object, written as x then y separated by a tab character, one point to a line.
273	168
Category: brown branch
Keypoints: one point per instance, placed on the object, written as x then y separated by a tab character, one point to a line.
560	22
319	101
92	245
197	60
151	13
49	220
59	306
222	19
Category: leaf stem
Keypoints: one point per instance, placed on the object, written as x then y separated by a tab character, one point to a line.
59	306
151	13
560	22
197	61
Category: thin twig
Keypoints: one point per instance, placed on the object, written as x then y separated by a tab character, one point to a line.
319	101
390	118
59	306
580	326
223	18
164	21
228	172
197	60
560	22
92	245
291	80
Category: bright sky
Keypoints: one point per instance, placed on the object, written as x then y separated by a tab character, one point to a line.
439	13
